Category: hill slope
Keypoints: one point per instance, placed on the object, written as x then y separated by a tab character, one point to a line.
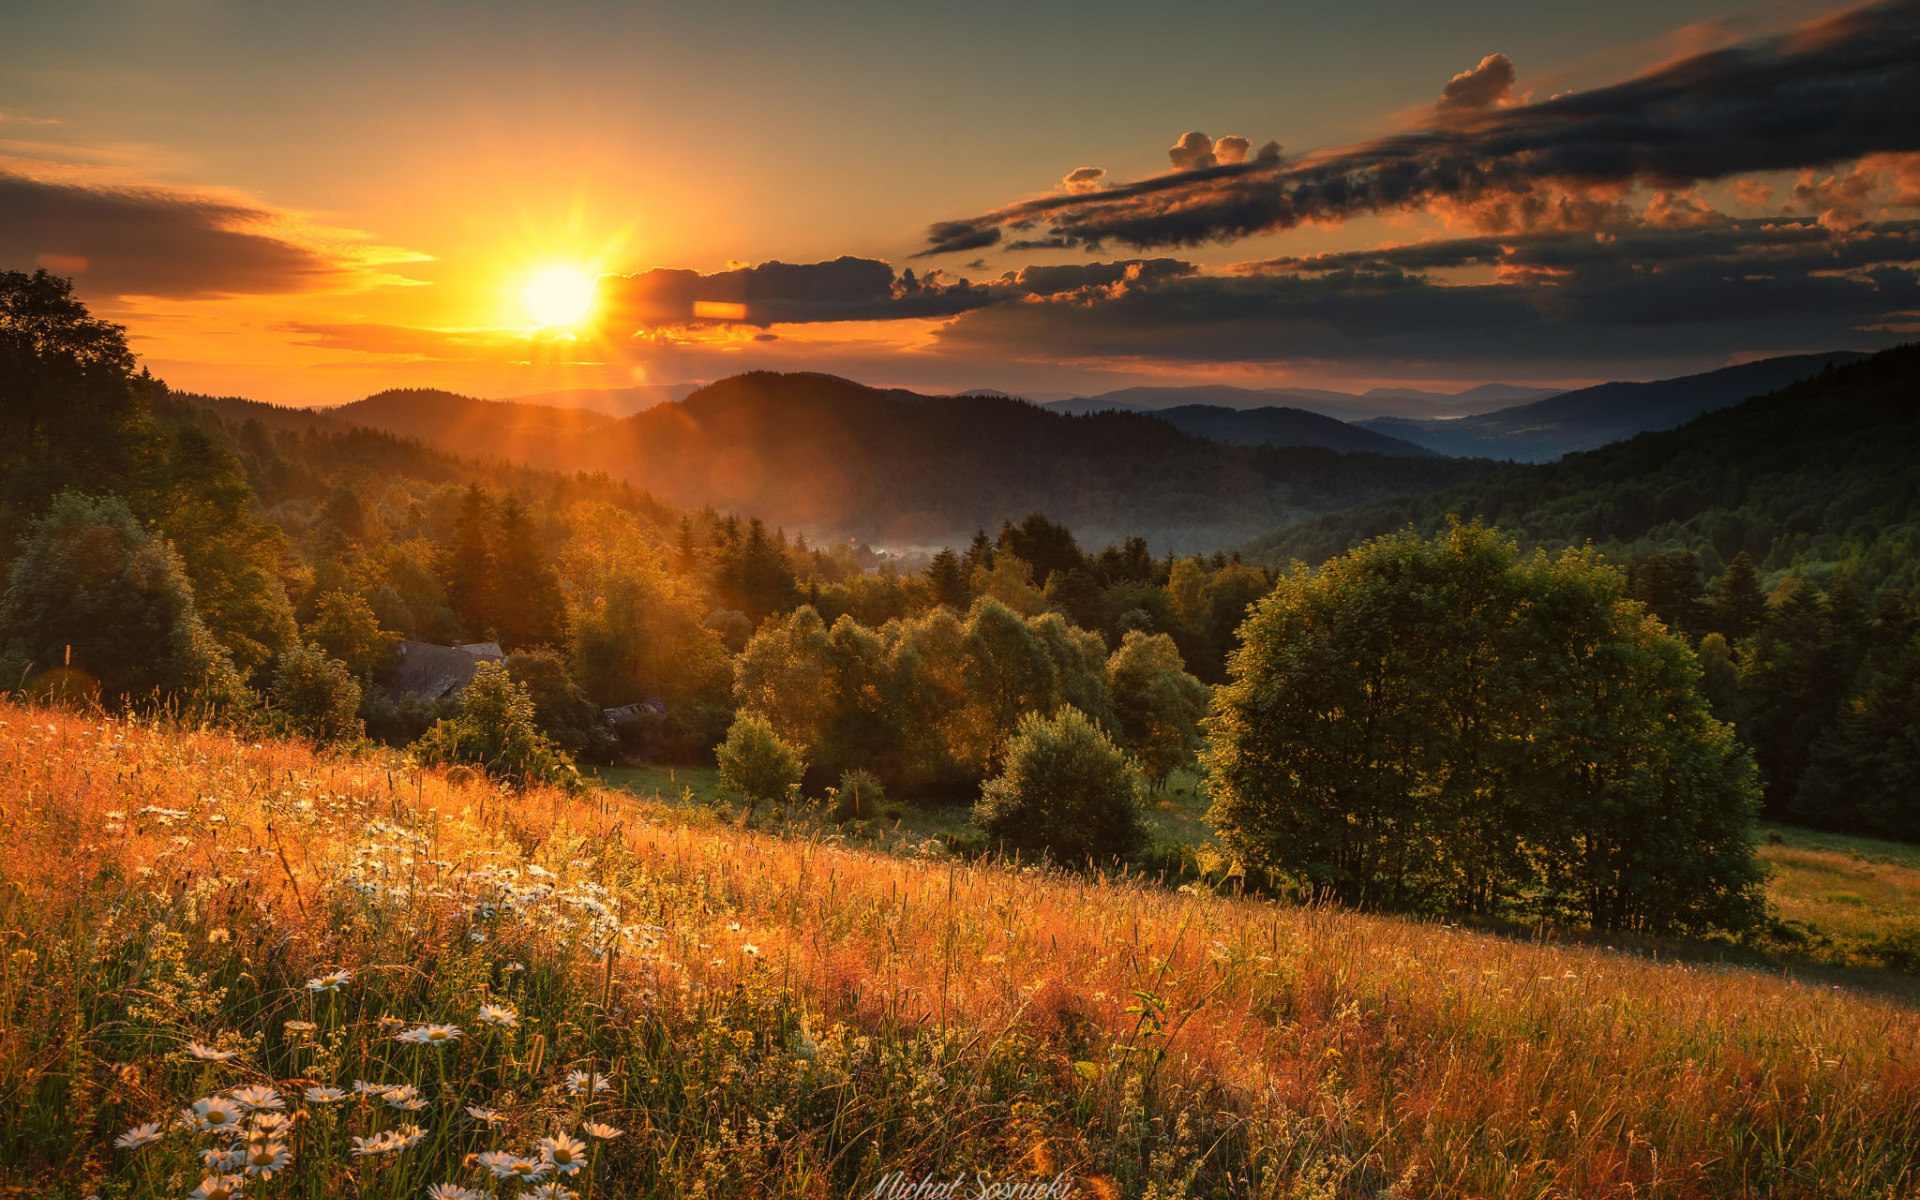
1591	417
841	1004
1825	469
837	459
1277	426
1344	406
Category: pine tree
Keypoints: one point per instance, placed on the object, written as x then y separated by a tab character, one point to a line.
529	608
469	565
1739	606
948	581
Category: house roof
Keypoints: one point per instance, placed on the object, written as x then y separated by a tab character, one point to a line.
431	672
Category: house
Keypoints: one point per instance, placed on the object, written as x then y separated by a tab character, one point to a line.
433	672
617	717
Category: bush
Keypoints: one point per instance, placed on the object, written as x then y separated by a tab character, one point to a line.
495	731
316	696
1442	725
98	605
757	764
1067	790
560	709
859	796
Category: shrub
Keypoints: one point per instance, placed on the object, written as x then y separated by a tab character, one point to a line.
1441	725
1067	790
757	764
859	796
316	696
495	731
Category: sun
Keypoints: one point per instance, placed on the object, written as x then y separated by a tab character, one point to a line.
558	296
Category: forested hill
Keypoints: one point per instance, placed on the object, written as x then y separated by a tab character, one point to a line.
1280	426
1824	471
833	457
1586	419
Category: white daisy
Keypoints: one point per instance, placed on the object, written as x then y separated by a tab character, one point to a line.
750	949
563	1154
550	1191
331	982
577	1082
263	1158
218	1187
214	1114
379	1143
325	1095
269	1124
404	1096
513	1166
486	1116
209	1054
451	1191
430	1035
254	1099
603	1132
139	1135
499	1014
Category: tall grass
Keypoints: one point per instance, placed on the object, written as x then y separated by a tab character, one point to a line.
792	1017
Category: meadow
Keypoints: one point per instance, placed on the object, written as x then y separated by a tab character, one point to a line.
400	982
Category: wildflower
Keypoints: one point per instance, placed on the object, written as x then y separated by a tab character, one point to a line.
138	1136
734	927
224	1161
253	1099
331	982
577	1082
499	1014
218	1187
213	1113
550	1191
603	1132
430	1035
209	1054
404	1096
219	936
409	1135
269	1124
379	1143
263	1158
563	1154
512	1166
486	1116
749	949
362	1088
451	1191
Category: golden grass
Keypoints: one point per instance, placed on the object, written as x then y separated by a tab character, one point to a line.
1152	1042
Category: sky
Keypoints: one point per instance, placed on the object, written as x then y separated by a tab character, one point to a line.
308	203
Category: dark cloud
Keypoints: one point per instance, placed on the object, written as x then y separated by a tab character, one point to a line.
149	241
1827	93
1481	87
846	289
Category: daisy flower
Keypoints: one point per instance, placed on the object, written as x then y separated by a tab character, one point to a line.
331	982
224	1162
379	1143
408	1136
325	1095
486	1116
139	1135
577	1083
263	1158
214	1113
603	1132
750	949
269	1124
451	1191
209	1054
550	1191
218	1187
362	1088
430	1035
253	1099
499	1014
563	1154
404	1096
513	1166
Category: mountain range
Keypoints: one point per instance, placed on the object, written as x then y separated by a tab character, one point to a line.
1344	406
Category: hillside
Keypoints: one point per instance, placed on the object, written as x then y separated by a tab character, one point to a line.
208	911
1344	406
1821	471
837	459
1544	430
1278	426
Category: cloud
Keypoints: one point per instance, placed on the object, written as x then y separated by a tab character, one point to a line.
1481	87
1193	152
1083	179
153	241
1827	93
845	289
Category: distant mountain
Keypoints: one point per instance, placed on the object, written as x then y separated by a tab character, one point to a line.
619	402
1825	470
1276	426
1345	406
1581	420
834	458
